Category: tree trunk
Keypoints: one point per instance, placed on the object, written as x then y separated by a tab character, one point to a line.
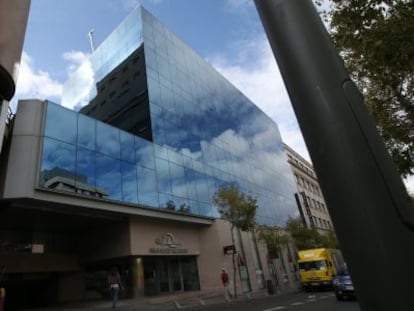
234	264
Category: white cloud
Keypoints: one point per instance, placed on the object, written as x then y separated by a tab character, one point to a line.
81	82
75	59
35	83
254	71
409	183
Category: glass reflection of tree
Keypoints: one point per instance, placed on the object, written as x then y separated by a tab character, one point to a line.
170	205
182	208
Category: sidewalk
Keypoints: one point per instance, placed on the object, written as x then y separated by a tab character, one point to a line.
168	303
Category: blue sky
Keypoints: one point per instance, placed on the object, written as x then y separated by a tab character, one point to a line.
227	33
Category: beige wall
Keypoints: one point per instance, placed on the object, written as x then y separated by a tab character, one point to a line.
21	176
205	241
145	232
212	259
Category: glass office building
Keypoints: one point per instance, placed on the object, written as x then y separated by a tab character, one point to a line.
160	128
126	178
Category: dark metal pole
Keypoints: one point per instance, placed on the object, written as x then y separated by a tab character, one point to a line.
367	200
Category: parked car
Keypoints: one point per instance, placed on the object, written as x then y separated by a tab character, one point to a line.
342	284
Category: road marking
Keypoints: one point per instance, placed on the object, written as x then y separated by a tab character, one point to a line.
274	309
297	303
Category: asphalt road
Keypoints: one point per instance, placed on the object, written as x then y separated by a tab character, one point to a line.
324	301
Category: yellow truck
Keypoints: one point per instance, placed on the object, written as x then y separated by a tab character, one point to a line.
317	267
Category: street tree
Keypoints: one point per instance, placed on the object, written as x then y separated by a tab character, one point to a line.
239	210
329	240
375	39
303	237
274	237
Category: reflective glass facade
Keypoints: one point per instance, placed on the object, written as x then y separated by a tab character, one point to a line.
193	130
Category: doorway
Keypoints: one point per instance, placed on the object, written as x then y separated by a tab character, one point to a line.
169	274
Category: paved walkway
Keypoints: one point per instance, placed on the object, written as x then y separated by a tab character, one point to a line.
168	303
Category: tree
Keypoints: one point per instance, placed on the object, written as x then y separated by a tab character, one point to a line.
274	237
238	209
375	38
329	240
306	238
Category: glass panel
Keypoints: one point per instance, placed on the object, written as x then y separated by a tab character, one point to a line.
163	176
129	183
193	207
86	132
167	201
176	274
127	147
163	276
161	152
202	189
108	177
58	166
107	140
190	273
147	187
85	172
178	181
158	130
191	183
61	123
205	209
144	153
150	276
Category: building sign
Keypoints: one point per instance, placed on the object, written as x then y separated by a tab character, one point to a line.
168	244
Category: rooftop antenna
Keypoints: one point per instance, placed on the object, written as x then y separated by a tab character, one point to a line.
90	36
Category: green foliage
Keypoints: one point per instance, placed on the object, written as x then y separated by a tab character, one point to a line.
375	38
329	240
274	237
306	238
236	207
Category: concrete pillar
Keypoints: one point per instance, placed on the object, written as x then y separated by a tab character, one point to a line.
13	21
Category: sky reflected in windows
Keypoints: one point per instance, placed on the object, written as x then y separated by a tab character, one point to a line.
205	133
